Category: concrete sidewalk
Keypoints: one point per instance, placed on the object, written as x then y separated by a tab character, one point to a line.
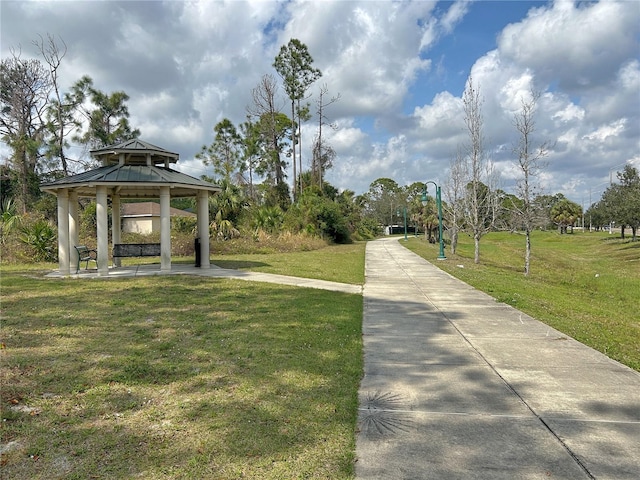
459	386
146	270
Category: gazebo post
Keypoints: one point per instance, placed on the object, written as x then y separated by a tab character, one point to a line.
73	228
165	229
203	227
102	233
63	232
115	225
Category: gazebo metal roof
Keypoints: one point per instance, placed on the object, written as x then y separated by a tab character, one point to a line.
134	151
133	169
132	181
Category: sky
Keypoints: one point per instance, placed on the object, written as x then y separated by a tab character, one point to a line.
399	67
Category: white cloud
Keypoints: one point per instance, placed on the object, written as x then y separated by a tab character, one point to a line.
454	15
187	65
564	42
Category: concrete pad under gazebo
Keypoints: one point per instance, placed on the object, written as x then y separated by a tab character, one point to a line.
131	169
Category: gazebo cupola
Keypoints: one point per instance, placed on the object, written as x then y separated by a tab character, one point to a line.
131	169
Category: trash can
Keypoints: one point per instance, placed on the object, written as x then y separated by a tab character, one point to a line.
197	250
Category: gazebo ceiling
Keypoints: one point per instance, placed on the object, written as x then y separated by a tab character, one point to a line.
127	172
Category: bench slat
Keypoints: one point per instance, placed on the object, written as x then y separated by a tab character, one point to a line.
136	250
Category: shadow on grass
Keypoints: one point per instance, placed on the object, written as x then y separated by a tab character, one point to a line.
183	377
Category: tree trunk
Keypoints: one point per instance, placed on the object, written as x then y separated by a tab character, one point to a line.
454	240
476	242
293	145
527	252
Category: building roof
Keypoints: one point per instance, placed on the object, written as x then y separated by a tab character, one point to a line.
150	209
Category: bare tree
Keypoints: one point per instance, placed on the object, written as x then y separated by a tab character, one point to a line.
60	121
529	161
480	202
454	190
323	154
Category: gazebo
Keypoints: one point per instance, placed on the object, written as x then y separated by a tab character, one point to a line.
131	169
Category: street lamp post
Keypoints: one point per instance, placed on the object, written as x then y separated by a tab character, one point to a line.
423	200
405	222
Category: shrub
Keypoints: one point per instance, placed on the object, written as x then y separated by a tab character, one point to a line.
184	224
264	242
9	219
267	219
40	236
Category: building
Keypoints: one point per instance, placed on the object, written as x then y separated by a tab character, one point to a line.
144	217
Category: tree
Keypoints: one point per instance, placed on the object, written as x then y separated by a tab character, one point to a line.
454	192
251	146
529	162
383	198
272	127
544	204
24	91
597	216
294	64
565	213
323	154
107	118
62	109
225	153
428	217
56	125
225	209
479	199
621	202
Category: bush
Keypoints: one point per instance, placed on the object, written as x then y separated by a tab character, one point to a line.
367	229
268	219
317	215
187	225
40	236
264	242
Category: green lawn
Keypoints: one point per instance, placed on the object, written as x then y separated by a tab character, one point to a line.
177	377
336	263
586	285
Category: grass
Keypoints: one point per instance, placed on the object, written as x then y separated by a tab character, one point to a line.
177	377
336	263
587	285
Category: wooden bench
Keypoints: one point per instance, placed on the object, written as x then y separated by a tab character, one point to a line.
136	250
86	254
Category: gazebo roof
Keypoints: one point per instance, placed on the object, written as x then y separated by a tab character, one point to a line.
131	170
134	151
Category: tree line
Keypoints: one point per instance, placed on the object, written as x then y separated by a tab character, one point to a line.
39	123
474	203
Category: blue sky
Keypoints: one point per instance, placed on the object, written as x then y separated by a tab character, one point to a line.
475	35
400	68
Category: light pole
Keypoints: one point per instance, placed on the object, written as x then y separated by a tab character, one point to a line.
405	222
423	200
